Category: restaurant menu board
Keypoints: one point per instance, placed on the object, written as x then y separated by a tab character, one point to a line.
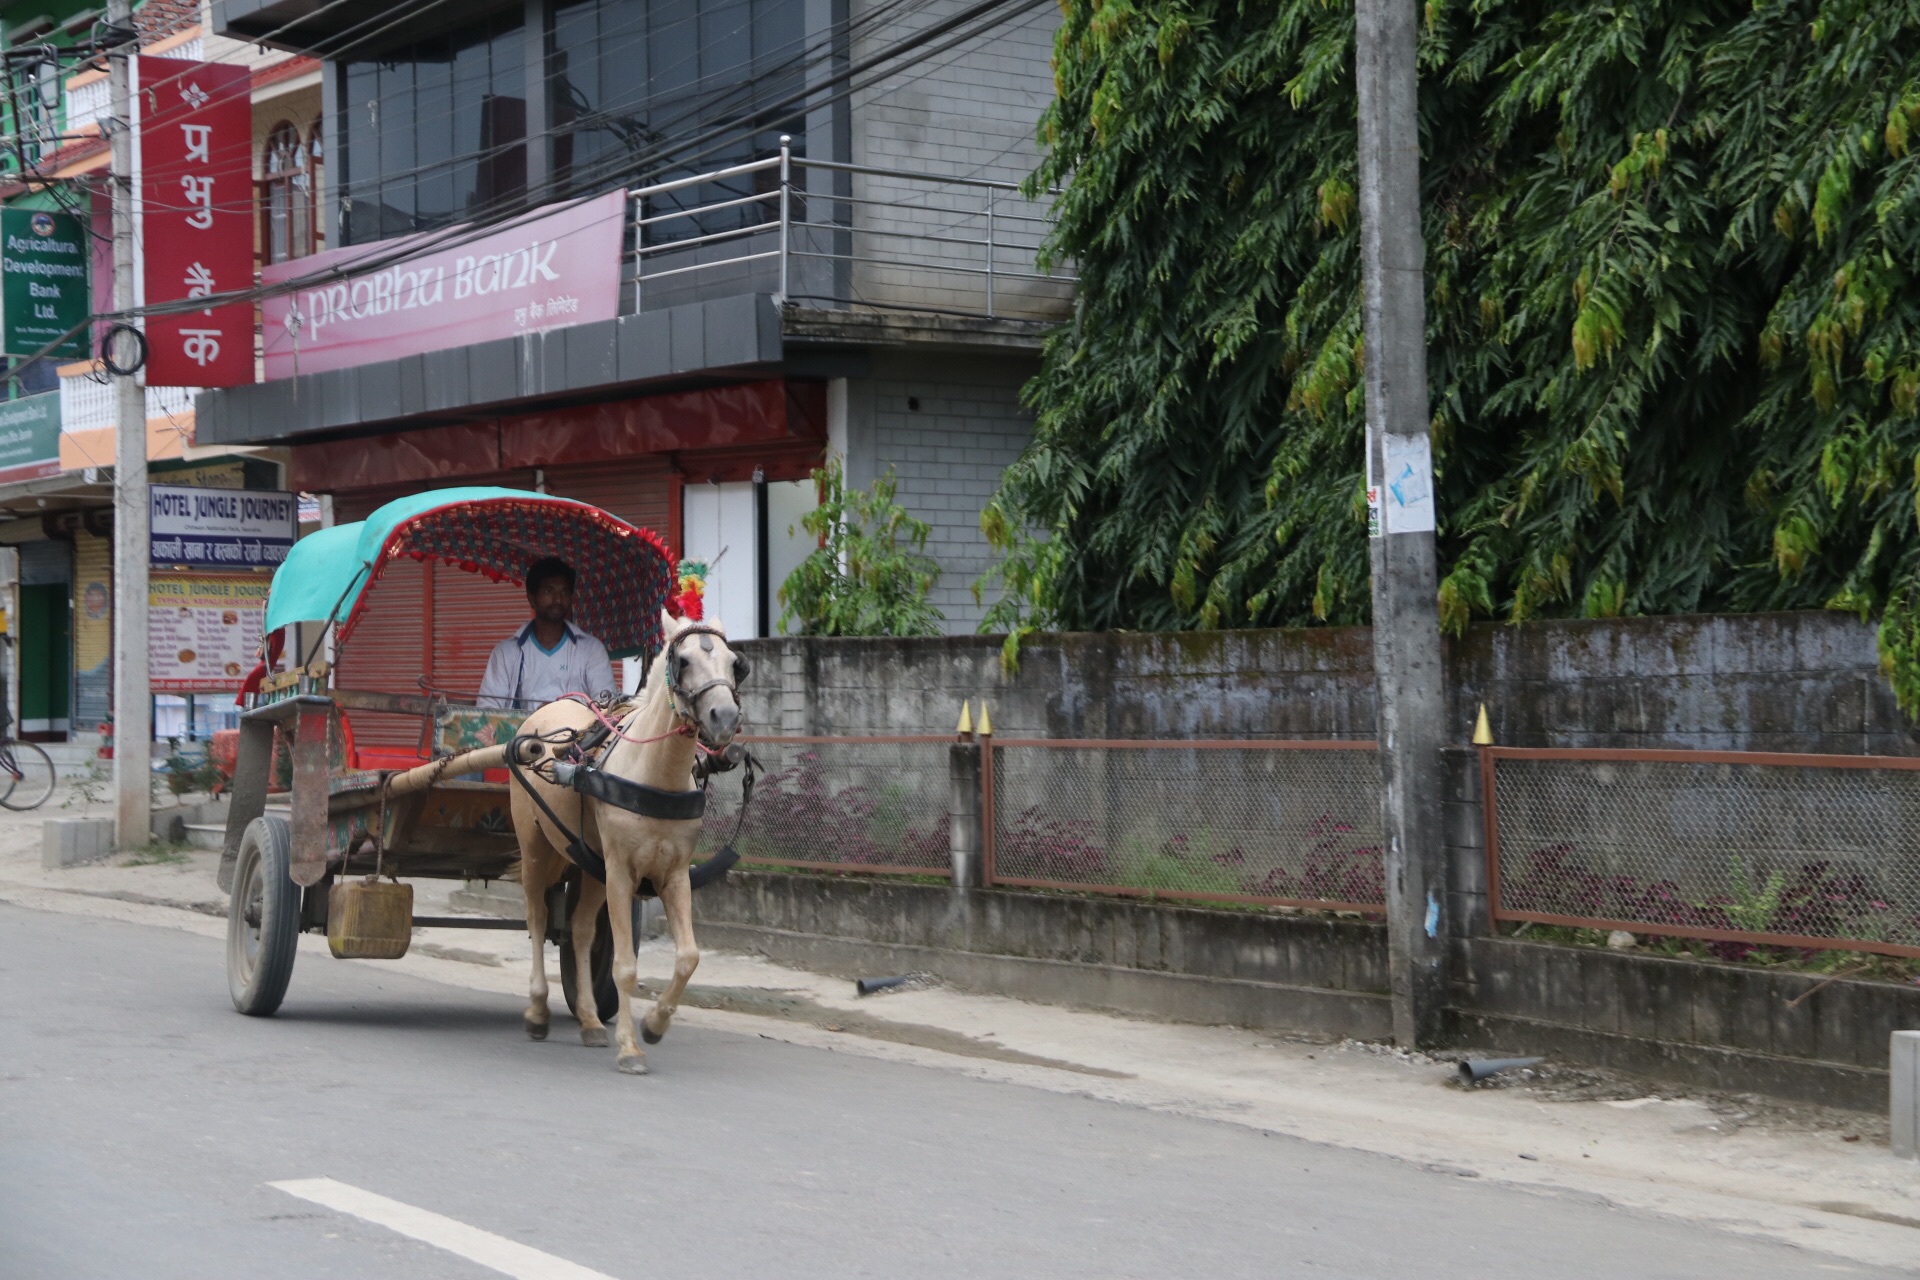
203	634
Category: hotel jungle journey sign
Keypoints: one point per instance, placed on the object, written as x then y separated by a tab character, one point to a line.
44	270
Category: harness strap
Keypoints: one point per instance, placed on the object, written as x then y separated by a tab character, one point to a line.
578	851
636	797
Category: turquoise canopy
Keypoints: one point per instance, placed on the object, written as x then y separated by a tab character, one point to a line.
626	574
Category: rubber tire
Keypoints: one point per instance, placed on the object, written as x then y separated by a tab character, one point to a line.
265	858
606	996
37	778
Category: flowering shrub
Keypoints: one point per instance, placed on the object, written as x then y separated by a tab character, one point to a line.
797	816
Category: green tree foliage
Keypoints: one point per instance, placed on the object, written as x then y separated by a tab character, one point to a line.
871	574
1673	328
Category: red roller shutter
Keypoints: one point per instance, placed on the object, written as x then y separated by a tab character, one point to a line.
385	655
471	614
638	490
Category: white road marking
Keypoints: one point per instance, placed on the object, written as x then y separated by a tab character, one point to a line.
498	1253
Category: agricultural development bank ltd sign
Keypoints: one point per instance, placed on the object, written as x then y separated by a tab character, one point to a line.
221	528
405	296
44	273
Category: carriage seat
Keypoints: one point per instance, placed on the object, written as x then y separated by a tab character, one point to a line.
457	728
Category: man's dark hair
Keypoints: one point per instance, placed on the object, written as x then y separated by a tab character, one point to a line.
546	568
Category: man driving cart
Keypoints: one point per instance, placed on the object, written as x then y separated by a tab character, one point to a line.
549	657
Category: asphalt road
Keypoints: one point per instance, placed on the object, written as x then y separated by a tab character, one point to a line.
142	1121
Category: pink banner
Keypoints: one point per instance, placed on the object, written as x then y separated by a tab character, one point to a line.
542	271
196	218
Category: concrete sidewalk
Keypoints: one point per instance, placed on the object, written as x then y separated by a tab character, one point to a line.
1821	1179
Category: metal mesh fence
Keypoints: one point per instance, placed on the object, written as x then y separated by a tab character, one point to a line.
842	804
1286	823
1727	847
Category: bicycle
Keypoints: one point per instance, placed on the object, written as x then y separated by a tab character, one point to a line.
26	770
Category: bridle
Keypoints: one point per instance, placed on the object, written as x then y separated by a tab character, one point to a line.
685	702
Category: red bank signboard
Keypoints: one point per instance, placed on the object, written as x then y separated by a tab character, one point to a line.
444	289
196	225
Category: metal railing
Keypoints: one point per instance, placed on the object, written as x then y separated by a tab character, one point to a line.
874	804
86	403
1735	848
1247	821
840	235
1267	822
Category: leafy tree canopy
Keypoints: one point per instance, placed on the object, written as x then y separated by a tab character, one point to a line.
1674	330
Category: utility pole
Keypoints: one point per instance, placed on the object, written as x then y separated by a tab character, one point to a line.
1400	501
132	711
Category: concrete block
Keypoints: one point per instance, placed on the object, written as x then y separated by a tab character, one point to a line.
1904	1065
68	842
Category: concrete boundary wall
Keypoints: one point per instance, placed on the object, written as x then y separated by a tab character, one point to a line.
1721	1026
1805	681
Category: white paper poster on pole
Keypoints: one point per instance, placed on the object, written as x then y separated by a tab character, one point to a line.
1407	490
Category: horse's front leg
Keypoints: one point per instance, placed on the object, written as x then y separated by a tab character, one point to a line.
586	1006
632	1059
536	1016
676	902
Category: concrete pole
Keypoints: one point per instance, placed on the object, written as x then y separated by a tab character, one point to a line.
1406	620
132	712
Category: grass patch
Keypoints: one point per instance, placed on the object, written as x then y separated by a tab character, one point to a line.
159	853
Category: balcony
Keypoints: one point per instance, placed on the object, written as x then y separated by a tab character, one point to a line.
822	234
86	403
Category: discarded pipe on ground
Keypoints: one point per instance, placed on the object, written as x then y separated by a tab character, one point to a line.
867	986
1474	1070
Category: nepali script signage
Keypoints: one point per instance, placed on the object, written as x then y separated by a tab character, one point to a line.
195	146
30	437
445	289
220	529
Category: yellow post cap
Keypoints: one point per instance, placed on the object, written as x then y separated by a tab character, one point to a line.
986	721
966	719
1482	731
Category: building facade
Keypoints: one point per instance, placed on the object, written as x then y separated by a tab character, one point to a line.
56	505
821	250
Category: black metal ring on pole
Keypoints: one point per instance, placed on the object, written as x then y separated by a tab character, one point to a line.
106	350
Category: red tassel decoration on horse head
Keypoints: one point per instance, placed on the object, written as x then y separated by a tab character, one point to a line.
690	601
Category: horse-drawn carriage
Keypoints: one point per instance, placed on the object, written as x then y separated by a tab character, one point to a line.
320	812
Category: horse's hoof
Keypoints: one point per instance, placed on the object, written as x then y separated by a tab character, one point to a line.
593	1037
648	1034
634	1066
536	1031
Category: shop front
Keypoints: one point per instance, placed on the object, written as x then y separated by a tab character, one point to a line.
720	473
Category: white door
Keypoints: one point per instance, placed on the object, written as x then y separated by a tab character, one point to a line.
721	529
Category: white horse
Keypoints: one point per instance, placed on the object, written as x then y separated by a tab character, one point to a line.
690	702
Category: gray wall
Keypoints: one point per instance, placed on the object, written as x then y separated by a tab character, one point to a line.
1785	681
969	113
948	454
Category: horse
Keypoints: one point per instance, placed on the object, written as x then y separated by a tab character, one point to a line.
690	703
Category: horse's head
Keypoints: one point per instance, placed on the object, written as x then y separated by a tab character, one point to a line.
703	676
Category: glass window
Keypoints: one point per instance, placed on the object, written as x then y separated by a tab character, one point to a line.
434	132
288	201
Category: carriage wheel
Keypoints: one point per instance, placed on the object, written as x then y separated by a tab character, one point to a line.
263	918
606	997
